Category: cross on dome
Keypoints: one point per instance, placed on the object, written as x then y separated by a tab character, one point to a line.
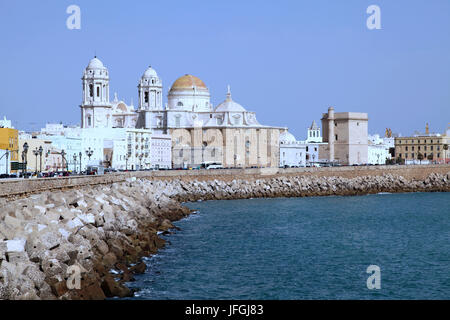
228	93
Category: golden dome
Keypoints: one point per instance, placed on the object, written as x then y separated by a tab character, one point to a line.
188	81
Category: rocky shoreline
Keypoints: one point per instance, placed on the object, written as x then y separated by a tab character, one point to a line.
105	230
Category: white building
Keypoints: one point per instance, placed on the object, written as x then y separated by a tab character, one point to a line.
6	123
314	134
108	135
313	143
147	150
5	161
292	152
378	149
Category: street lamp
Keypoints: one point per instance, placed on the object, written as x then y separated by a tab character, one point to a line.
75	162
63	153
140	161
40	158
6	156
128	155
36	153
24	159
80	154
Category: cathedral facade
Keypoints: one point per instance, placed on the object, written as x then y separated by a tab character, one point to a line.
226	134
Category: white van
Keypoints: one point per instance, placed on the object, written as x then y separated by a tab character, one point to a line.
211	165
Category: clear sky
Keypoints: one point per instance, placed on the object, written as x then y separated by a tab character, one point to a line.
286	60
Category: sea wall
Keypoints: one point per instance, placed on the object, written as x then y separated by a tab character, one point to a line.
19	187
103	227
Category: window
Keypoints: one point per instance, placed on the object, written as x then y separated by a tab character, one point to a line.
406	148
180	104
336	136
91	90
431	147
177	122
146	97
98	91
412	148
89	120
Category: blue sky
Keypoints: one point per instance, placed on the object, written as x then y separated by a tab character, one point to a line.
286	60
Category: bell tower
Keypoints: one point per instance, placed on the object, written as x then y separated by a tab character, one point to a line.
150	107
150	91
95	106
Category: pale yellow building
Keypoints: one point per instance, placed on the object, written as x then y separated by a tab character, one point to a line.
431	146
35	163
9	141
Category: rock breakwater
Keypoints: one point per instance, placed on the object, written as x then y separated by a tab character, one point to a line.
103	231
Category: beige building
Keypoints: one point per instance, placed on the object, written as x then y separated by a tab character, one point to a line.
347	137
232	147
431	146
226	134
35	163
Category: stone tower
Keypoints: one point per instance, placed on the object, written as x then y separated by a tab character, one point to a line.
95	106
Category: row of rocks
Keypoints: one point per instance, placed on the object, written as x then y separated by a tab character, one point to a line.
302	186
104	231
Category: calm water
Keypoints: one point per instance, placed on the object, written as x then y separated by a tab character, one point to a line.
306	248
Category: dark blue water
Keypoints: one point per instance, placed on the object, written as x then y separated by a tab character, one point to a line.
306	248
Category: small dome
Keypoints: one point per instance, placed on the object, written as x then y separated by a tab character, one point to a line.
287	137
229	105
188	82
95	64
150	73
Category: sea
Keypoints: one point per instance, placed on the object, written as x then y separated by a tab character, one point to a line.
380	246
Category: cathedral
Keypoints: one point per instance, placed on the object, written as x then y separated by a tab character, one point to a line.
226	134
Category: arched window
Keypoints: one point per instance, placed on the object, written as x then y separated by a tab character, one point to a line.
91	90
146	96
180	104
89	120
98	91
